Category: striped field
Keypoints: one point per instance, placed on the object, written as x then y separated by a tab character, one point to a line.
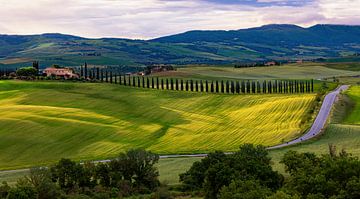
41	122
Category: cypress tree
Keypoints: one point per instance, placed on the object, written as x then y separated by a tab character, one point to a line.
147	82
167	84
115	78
85	70
191	85
212	87
232	87
143	81
206	86
248	86
269	87
196	86
216	86
258	86
162	84
101	76
187	85
81	72
125	80
227	87
106	76
243	88
237	87
222	86
176	84
264	86
152	83
97	73
201	86
312	85
157	82
134	81
182	84
253	86
138	81
171	84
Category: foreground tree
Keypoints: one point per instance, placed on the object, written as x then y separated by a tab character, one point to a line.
219	170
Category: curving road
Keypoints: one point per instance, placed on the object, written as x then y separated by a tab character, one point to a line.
315	130
320	120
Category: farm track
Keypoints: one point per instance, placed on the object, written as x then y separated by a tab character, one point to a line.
315	130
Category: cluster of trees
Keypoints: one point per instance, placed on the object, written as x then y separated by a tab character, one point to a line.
247	174
130	173
257	64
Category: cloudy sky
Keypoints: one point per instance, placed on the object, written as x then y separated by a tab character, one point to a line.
153	18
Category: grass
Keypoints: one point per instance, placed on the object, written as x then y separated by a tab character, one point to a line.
42	122
290	71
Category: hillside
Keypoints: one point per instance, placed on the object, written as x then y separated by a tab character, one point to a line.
42	122
271	42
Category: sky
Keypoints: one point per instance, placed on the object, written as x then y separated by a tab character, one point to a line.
145	19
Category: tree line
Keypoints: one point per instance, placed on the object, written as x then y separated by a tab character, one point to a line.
248	174
215	86
131	173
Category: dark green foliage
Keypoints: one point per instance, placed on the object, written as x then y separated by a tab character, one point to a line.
243	89
264	86
85	71
22	192
143	81
232	87
162	84
217	86
196	86
237	87
97	73
248	87
212	87
138	81
191	85
4	189
201	86
219	170
26	71
227	87
157	82
222	87
253	87
187	85
176	84
171	84
182	84
111	77
152	83
247	189
328	176
258	87
147	83
167	84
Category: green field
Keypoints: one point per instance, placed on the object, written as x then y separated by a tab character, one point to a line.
290	71
44	121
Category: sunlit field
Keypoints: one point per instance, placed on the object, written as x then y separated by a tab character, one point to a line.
42	122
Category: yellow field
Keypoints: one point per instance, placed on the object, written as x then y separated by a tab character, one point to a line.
42	122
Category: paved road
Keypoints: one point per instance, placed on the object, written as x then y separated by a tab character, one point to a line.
315	130
320	120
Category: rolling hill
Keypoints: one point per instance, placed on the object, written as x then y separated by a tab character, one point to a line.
270	42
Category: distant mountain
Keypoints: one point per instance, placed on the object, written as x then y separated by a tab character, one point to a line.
269	42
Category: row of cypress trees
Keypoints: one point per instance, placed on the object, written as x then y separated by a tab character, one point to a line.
231	87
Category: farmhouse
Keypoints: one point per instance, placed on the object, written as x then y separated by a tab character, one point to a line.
61	72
